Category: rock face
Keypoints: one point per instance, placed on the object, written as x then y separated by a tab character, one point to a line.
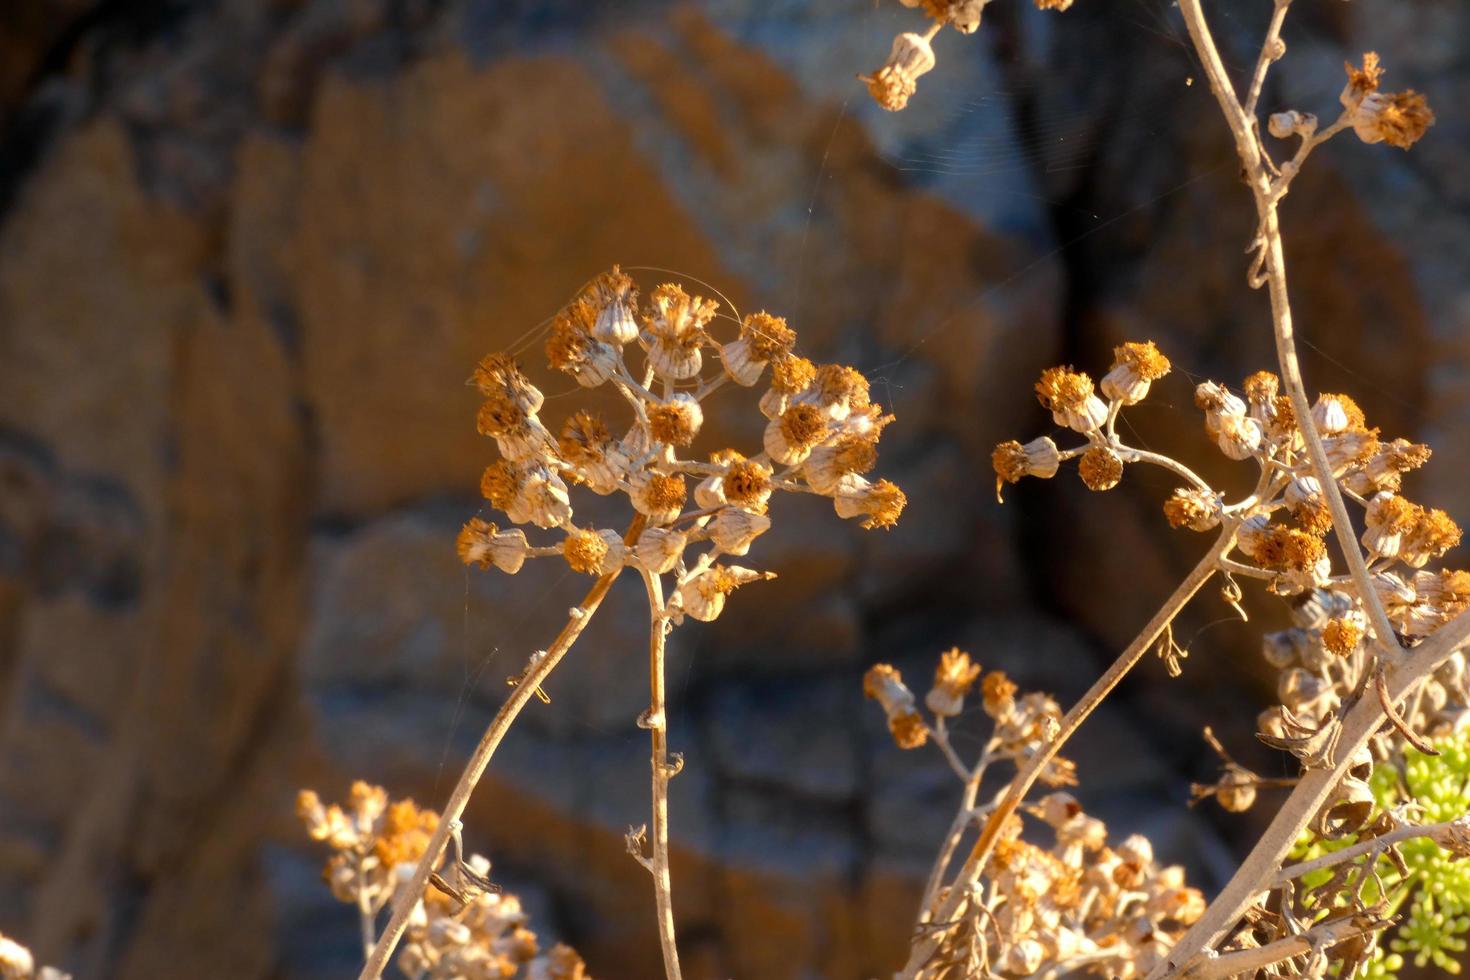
248	254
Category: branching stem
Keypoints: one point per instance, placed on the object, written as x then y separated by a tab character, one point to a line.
408	895
923	950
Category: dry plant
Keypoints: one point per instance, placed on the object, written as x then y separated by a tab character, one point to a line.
821	434
1371	671
461	928
1371	674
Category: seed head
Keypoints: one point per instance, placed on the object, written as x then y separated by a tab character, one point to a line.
1100	468
584	551
768	336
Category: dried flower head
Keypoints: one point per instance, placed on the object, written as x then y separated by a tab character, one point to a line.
1397	118
898	78
953	678
1068	395
1135	367
1012	461
1100	468
1198	510
884	684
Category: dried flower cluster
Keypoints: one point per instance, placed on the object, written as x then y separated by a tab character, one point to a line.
17	963
461	929
1076	906
821	437
913	54
1278	533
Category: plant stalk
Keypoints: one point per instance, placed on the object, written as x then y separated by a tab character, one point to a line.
656	721
923	949
408	895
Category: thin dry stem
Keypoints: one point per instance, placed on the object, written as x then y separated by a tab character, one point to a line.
923	950
1247	961
408	895
1248	146
656	721
1439	832
1367	715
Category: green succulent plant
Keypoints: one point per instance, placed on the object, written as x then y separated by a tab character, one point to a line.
1432	900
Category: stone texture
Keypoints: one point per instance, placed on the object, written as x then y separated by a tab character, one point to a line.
249	253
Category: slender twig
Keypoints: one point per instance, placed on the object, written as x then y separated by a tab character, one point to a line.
1247	961
408	895
1270	51
1247	145
1380	684
962	820
923	949
940	734
656	721
367	914
1439	832
1129	454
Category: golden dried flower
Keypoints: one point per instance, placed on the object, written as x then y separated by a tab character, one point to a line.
1059	772
883	502
1314	517
881	678
677	421
495	372
1069	396
1433	533
1197	510
791	374
855	453
962	15
614	297
837	384
1100	468
747	484
1392	513
1364	81
584	439
1261	388
1397	118
884	684
499	415
473	545
893	84
768	336
1012	461
791	436
563	963
1135	367
1342	635
1338	413
584	551
1053	4
405	833
1285	548
1062	389
908	730
953	678
660	496
499	484
998	693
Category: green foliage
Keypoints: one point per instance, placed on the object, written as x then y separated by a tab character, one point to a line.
1433	899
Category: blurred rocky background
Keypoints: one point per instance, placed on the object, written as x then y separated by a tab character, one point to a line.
250	250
